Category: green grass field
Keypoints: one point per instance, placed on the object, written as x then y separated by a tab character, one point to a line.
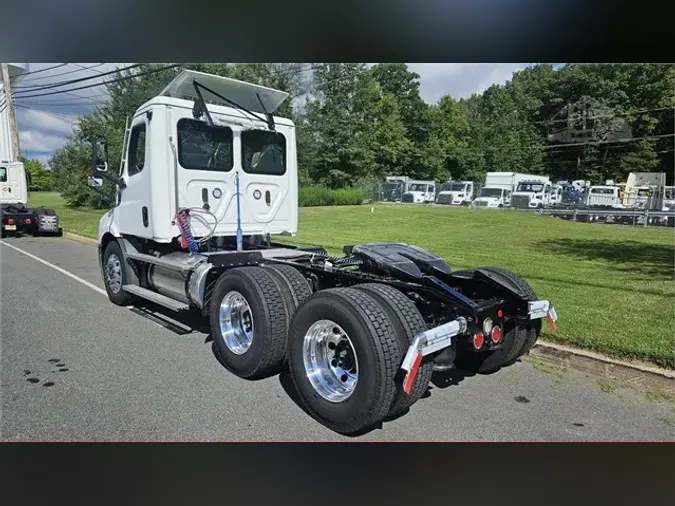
612	285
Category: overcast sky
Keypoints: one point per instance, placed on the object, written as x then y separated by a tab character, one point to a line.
45	122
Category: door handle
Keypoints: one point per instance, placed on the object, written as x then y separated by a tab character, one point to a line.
268	197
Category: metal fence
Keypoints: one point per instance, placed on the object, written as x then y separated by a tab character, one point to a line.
632	209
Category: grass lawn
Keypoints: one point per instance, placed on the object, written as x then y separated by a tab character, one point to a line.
612	285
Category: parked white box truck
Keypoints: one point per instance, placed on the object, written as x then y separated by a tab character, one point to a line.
498	189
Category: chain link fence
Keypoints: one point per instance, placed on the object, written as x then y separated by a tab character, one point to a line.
599	205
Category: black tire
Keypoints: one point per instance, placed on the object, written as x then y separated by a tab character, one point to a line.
294	280
408	323
267	351
116	296
515	336
533	329
377	351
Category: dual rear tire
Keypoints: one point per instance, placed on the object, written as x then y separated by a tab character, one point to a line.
343	346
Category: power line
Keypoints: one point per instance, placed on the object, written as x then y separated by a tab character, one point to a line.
90	68
154	71
30	89
41	70
56	75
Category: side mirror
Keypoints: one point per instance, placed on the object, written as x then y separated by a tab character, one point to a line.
94	182
99	155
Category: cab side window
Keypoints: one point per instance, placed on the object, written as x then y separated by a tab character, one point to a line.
137	149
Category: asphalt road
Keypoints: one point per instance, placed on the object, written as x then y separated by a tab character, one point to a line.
77	367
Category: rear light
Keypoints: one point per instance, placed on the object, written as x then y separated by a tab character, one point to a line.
500	314
478	340
496	334
487	326
27	221
10	221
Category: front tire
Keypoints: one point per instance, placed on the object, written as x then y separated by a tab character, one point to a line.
115	275
344	357
249	322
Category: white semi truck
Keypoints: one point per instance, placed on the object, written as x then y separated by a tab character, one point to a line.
532	192
497	190
456	193
419	192
17	217
209	176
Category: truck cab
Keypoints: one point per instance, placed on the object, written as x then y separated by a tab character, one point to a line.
492	197
532	194
456	193
419	192
174	161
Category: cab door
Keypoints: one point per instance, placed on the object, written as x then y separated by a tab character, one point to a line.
133	209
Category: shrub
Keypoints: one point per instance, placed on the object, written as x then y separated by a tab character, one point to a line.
315	196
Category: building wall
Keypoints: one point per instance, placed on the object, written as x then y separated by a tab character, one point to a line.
5	136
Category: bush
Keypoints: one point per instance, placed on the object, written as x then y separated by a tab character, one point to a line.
315	196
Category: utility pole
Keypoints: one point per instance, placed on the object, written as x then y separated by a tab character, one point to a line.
16	151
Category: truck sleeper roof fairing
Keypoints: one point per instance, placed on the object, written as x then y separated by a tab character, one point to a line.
218	90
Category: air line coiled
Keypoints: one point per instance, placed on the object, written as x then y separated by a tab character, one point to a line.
183	220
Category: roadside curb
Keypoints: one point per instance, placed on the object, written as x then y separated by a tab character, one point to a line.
574	357
80	238
642	377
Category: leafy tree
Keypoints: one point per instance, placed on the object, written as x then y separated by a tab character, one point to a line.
40	177
356	126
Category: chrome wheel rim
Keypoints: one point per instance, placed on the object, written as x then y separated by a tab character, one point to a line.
113	273
330	361
236	322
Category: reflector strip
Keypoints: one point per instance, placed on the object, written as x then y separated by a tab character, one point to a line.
551	317
412	373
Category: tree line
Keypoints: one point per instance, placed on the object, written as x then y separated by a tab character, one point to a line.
357	123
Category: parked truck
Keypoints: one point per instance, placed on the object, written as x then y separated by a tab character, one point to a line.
17	217
645	190
209	177
456	193
497	190
419	192
532	192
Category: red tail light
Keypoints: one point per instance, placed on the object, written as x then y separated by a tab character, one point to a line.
478	340
500	313
10	221
27	221
496	334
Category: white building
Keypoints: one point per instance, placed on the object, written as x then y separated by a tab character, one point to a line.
5	137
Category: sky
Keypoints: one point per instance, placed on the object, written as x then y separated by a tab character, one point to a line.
46	122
